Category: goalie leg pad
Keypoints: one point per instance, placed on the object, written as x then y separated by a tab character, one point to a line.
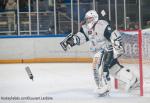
115	69
97	71
96	76
101	77
125	75
97	67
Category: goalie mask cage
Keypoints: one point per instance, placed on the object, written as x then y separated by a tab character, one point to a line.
133	43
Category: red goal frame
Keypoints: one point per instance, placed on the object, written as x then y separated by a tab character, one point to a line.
140	60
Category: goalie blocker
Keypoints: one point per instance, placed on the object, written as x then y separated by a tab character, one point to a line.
69	41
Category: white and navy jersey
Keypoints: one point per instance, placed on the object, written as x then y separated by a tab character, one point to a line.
98	36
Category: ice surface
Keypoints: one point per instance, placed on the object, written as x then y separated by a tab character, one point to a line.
62	82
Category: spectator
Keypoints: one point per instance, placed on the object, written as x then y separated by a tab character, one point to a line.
51	4
23	5
43	5
147	25
2	5
128	23
136	26
11	6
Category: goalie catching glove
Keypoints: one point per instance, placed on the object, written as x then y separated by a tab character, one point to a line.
117	44
70	41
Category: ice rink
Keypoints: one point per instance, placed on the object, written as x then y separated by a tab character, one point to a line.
61	82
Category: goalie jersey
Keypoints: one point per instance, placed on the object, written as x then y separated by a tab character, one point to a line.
98	35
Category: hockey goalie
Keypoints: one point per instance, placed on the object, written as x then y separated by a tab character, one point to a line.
107	47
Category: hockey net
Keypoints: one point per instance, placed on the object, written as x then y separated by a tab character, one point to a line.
136	47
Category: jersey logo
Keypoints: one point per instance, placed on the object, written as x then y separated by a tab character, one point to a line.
89	32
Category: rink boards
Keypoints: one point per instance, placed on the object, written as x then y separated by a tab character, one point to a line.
26	49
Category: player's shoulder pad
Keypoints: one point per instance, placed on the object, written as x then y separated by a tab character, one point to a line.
102	22
82	31
83	26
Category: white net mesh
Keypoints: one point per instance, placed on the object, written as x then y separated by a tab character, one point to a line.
130	41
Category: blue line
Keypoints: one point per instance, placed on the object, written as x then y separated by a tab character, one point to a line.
32	36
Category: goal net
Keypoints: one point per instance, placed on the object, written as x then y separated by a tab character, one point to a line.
135	49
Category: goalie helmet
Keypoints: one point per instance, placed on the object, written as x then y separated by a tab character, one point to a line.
91	17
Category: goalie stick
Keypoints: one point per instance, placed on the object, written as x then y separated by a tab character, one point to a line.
29	73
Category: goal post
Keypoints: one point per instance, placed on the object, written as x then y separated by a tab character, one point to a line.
132	41
140	61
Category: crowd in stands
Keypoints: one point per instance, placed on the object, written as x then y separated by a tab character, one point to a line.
62	7
23	5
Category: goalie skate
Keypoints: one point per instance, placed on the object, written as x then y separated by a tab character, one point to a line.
136	85
103	94
103	91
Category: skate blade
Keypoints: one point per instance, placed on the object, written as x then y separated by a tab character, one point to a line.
104	94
